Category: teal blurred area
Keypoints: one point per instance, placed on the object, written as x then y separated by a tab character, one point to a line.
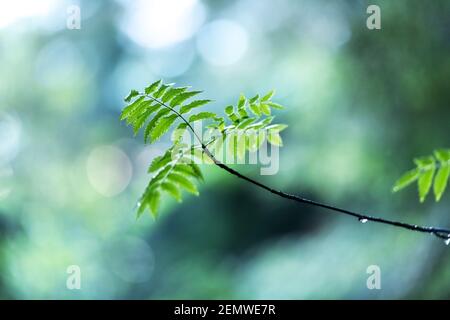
360	105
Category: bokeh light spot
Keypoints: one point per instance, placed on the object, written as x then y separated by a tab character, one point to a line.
11	11
109	170
222	42
157	24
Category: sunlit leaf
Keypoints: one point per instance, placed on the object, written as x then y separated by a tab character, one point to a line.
172	93
229	110
197	171
159	162
201	116
405	180
245	123
255	109
131	95
274	138
275	105
440	181
161	91
194	104
277	127
154	202
128	110
243	113
172	189
183	97
264	107
184	182
162	126
152	123
241	102
253	99
178	133
268	96
175	169
426	179
152	88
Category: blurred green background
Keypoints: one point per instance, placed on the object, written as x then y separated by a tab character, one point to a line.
361	104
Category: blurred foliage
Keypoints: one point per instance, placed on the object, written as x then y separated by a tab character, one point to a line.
361	103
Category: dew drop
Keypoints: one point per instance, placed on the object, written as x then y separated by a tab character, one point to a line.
447	241
363	220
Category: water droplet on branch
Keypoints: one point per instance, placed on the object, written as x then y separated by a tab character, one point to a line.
363	220
447	241
138	205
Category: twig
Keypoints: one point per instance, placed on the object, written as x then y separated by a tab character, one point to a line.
436	231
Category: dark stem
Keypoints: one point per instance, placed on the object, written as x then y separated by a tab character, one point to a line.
438	232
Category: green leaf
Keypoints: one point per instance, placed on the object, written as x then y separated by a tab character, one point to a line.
154	203
425	181
405	180
255	109
197	171
172	189
442	155
267	121
277	127
138	110
254	99
268	96
274	138
243	113
424	162
229	110
161	91
151	88
275	105
152	123
192	105
133	93
183	182
161	175
186	169
440	181
141	206
172	93
245	123
128	110
255	139
264	107
241	102
162	126
171	173
183	97
201	156
201	116
178	133
138	121
160	161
